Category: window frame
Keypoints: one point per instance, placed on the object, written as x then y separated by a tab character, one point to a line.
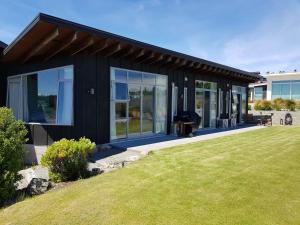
113	100
22	75
284	82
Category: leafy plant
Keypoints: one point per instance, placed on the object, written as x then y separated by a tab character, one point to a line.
249	107
12	139
278	104
263	105
298	105
284	104
290	105
67	159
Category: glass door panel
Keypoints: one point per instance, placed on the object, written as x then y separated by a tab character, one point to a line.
148	108
206	112
199	105
213	109
161	109
121	119
134	114
121	127
14	93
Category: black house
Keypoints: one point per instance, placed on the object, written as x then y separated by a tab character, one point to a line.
68	80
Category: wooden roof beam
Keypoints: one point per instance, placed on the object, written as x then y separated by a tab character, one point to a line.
42	45
136	54
90	41
172	62
99	48
125	51
114	48
64	45
159	58
146	57
182	63
165	61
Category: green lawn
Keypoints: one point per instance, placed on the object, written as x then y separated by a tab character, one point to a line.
250	178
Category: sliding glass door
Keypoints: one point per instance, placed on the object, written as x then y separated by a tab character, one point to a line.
134	113
206	103
148	109
15	96
141	96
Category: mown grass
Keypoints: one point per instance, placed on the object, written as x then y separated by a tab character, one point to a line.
250	178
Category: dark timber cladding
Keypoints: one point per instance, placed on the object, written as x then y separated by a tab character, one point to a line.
50	42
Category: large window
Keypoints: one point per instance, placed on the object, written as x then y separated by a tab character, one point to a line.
206	102
258	93
238	103
289	89
138	103
43	97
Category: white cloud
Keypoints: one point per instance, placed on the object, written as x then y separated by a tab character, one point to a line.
274	45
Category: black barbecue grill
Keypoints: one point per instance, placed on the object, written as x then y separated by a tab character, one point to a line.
187	122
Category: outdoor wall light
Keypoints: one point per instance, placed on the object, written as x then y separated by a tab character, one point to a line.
91	91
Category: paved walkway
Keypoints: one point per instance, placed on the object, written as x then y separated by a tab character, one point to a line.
136	152
145	149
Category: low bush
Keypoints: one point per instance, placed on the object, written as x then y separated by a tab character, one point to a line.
284	104
278	104
12	140
263	105
298	105
290	105
67	159
249	107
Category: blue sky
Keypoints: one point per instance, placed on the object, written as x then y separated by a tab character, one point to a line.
253	35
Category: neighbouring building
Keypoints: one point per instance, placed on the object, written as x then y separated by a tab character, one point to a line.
284	85
67	80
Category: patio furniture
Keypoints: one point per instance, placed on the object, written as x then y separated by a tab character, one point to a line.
187	122
265	120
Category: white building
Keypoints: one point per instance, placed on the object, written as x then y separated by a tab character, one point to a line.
284	85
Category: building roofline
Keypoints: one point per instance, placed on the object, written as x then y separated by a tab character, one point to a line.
282	74
96	32
3	45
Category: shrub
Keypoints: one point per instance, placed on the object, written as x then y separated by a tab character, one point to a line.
298	105
249	107
12	140
282	104
67	159
290	105
278	104
263	105
257	105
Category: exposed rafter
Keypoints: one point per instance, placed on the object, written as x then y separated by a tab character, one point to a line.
182	63
169	62
167	59
144	58
41	45
136	54
125	51
90	41
69	41
112	49
100	47
157	59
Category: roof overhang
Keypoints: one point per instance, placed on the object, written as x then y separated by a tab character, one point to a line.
47	36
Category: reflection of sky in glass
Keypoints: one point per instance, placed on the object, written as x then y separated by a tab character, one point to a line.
48	83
